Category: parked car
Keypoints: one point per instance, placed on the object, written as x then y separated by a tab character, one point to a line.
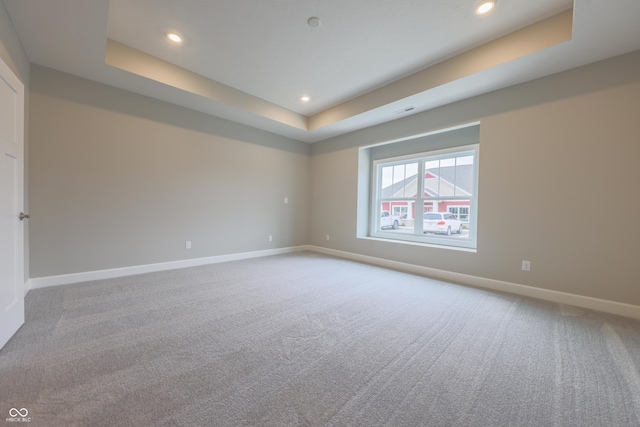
389	221
441	222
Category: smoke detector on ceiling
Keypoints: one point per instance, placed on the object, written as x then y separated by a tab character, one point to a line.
314	22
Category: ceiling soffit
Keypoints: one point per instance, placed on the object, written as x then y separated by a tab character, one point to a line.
527	41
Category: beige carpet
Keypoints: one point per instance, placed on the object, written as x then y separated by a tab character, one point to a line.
308	340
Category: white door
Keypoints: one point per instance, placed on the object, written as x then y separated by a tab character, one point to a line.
11	203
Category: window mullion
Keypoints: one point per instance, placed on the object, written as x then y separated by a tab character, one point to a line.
376	208
419	207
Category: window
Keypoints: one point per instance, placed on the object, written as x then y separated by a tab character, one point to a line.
400	211
462	212
427	197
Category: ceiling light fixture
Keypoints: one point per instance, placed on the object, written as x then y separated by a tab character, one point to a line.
174	38
305	99
485	6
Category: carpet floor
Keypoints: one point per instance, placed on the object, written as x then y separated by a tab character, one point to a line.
304	339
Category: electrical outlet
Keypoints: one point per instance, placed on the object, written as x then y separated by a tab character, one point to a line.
187	245
270	238
526	265
327	238
286	200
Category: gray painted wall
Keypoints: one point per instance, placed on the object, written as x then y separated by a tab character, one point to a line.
11	50
118	179
558	183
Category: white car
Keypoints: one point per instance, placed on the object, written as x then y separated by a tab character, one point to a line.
389	221
442	223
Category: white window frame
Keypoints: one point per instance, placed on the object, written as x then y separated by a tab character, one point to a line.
418	236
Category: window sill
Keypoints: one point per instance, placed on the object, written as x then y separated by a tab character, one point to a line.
424	245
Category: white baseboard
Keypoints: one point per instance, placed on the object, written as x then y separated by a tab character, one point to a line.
621	309
66	279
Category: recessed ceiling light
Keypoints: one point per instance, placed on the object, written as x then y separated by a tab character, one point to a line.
174	38
305	99
485	7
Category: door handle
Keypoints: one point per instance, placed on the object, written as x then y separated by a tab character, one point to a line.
23	216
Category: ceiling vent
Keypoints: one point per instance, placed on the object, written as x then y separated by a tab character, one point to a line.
405	110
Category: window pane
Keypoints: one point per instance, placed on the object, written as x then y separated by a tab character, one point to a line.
462	212
449	177
432	164
386	177
431	174
448	218
440	177
464	160
464	176
399	181
412	172
447	163
396	217
398	174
